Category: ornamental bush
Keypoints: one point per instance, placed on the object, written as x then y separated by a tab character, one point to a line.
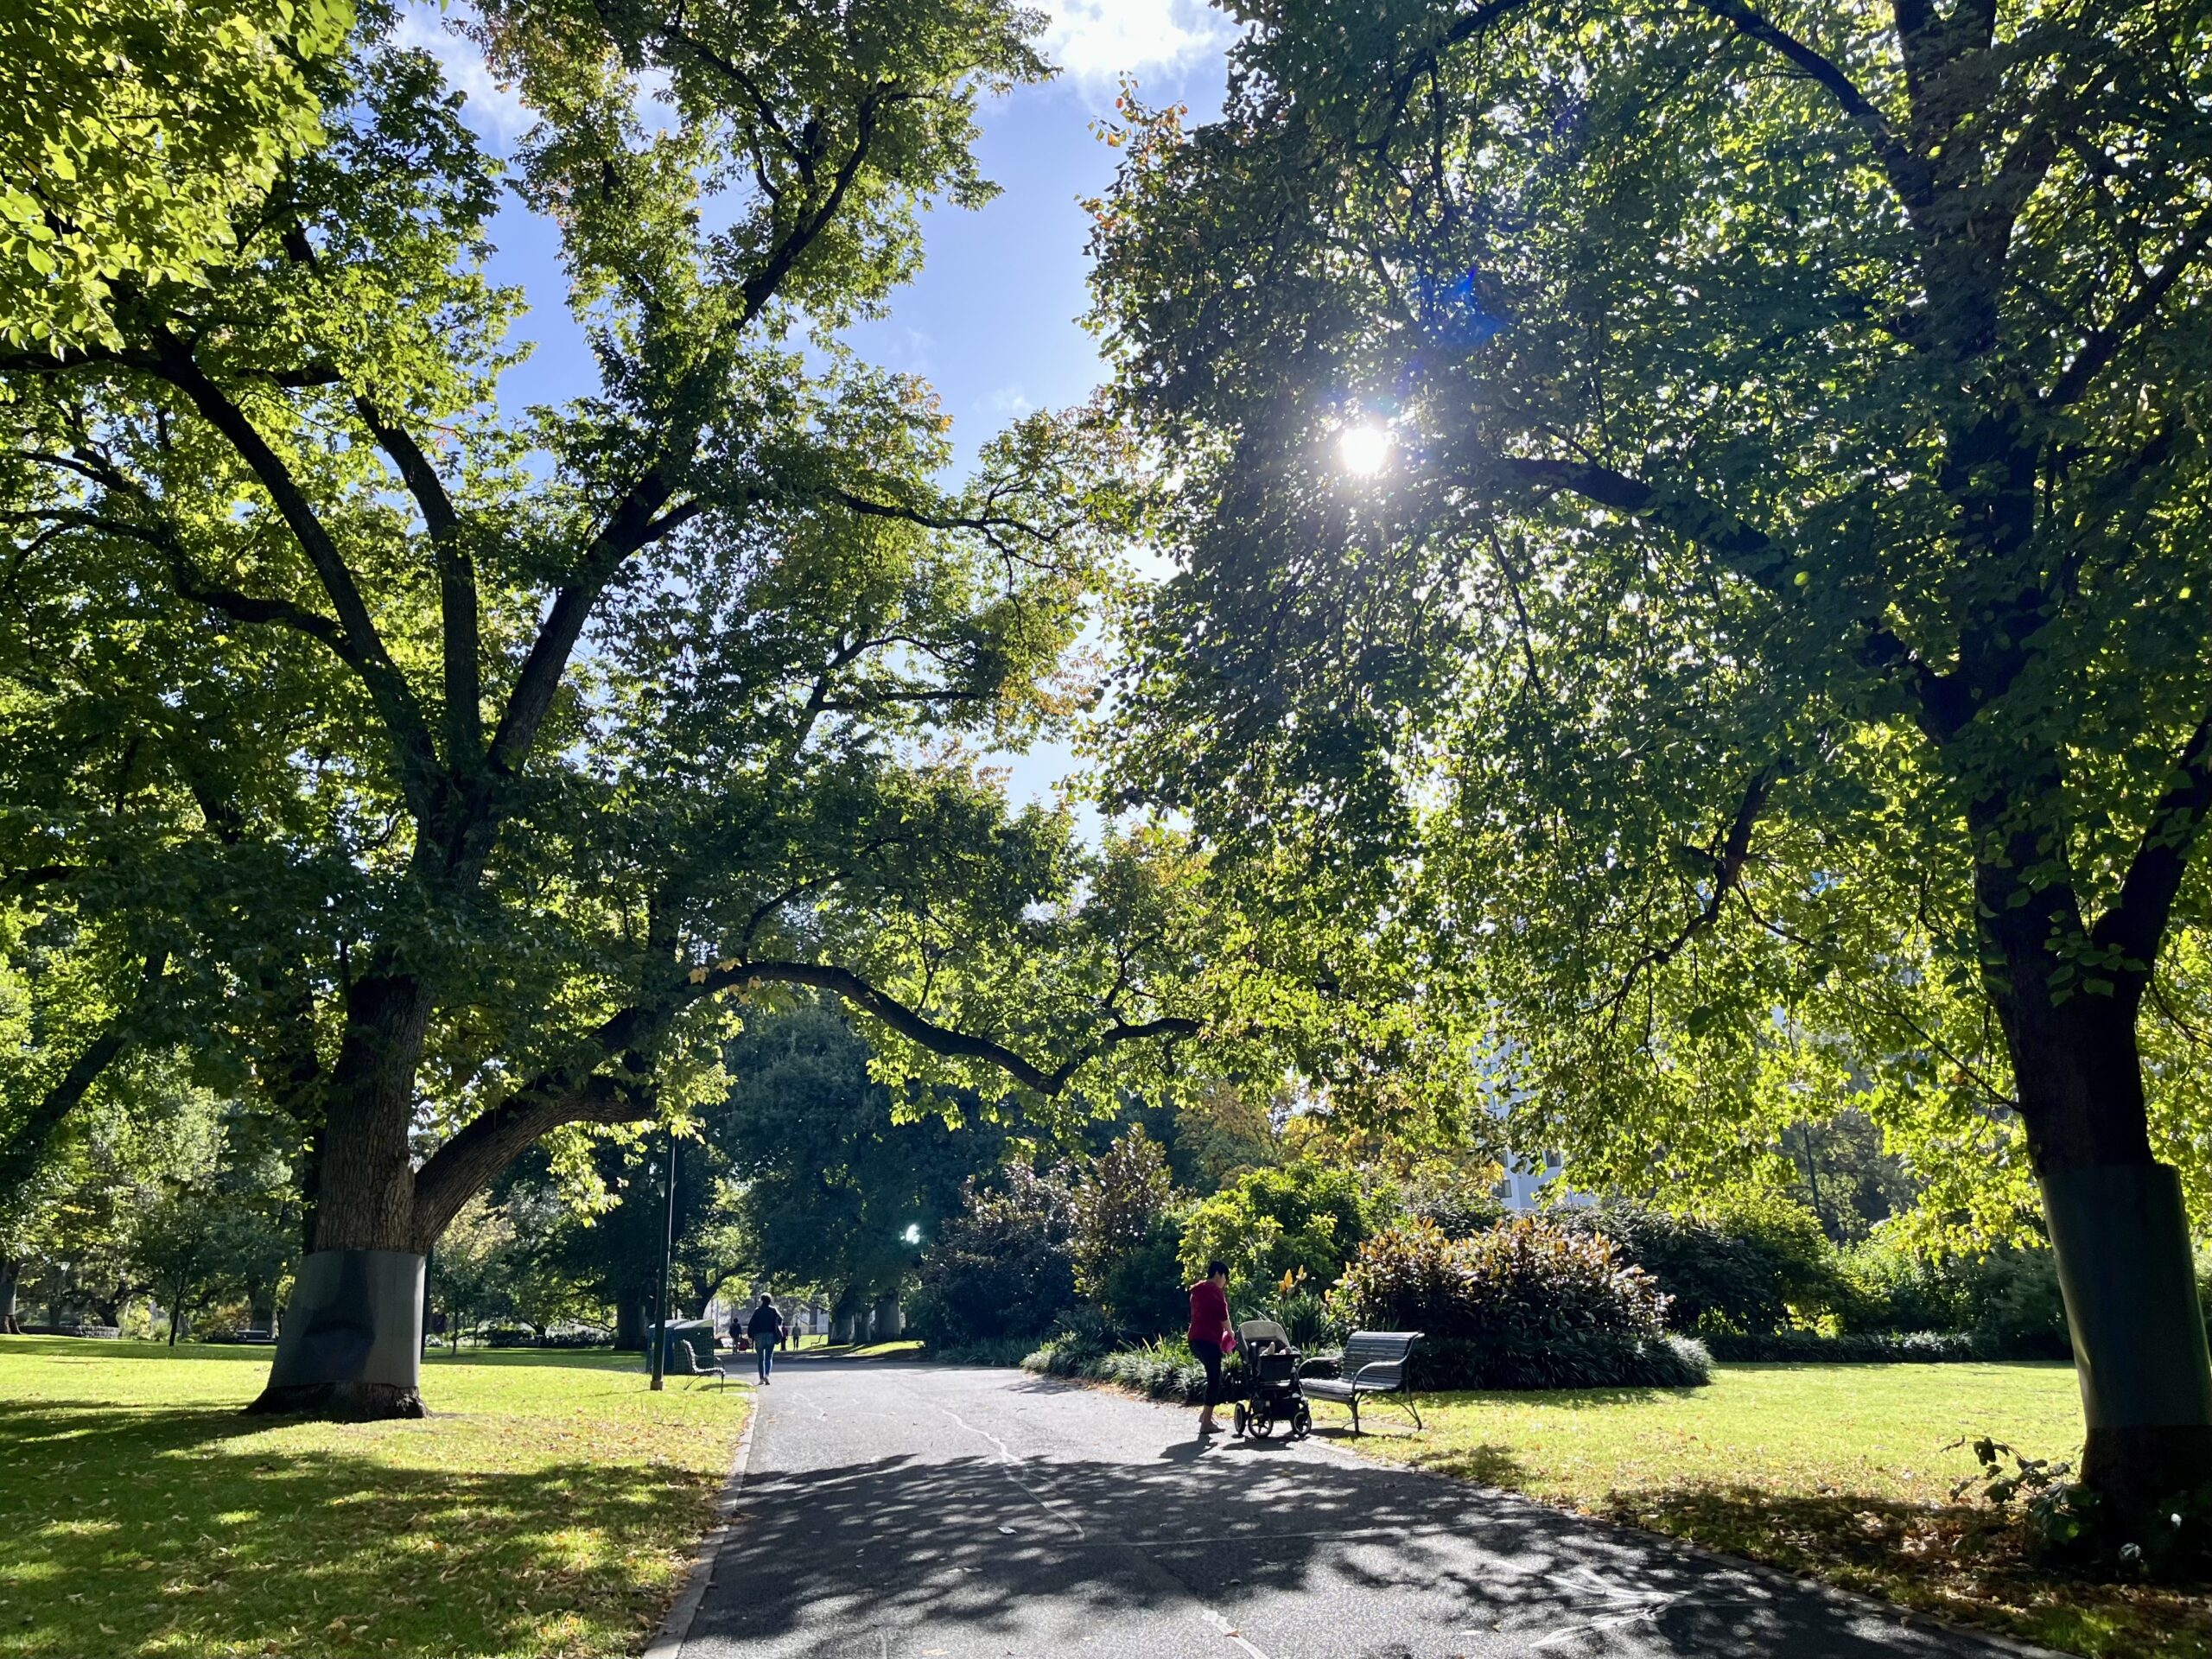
1267	1223
2007	1299
1747	1263
1001	1265
1127	1240
1525	1304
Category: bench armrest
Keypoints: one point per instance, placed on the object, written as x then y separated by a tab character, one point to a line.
1393	1370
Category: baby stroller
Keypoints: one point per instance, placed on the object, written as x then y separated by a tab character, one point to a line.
1271	1378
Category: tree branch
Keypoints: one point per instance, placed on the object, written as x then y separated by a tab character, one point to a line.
2135	923
395	701
457	594
927	1033
1727	874
1908	175
2104	343
27	1147
461	1168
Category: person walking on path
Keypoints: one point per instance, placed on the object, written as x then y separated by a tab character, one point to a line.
1209	1335
766	1330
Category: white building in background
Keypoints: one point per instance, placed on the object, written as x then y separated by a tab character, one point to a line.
1527	1175
1525	1180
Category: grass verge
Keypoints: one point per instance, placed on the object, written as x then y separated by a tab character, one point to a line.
548	1508
1835	1471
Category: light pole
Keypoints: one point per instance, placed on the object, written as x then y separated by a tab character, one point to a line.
667	1260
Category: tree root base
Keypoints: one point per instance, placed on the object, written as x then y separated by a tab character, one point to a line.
344	1403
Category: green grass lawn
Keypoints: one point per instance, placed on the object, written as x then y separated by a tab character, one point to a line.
549	1508
1840	1471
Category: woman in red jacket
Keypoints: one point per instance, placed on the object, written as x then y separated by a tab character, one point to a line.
1209	1334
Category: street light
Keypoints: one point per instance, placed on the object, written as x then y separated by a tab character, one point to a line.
667	1261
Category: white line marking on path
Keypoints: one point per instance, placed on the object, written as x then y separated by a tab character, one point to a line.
1011	1464
1231	1631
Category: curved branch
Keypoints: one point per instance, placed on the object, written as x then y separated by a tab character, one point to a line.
870	999
461	1168
1908	175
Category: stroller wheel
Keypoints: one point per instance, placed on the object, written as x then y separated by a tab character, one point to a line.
1263	1426
1243	1417
1302	1424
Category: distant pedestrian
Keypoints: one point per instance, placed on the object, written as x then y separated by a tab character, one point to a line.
1209	1335
766	1330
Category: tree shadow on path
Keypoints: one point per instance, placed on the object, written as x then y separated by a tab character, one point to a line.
981	1553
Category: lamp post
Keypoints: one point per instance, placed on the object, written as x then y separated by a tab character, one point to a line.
667	1261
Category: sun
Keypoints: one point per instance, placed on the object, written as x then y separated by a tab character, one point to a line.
1364	450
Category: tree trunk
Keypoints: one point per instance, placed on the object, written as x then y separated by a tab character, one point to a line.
12	1275
2117	1225
352	1343
629	1325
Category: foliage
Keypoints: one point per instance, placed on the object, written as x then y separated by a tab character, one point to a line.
1160	1369
1842	1172
1525	1304
2007	1299
1117	1200
998	1269
1758	667
1853	1348
1000	1352
224	1228
141	136
1267	1223
1458	1202
1742	1261
513	745
832	1174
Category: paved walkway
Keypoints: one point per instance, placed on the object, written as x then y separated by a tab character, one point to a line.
918	1512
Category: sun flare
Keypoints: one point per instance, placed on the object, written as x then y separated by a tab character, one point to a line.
1364	450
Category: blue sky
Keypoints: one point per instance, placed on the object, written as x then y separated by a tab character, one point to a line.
992	320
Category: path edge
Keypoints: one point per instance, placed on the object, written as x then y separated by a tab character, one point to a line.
676	1630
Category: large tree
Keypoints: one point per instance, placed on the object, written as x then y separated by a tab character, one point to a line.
471	754
1695	536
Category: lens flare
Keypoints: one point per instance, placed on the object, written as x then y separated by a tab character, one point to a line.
1364	450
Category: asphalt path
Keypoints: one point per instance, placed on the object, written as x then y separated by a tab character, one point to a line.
938	1512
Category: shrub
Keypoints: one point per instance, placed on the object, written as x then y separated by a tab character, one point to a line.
1865	1347
1143	1293
1000	1266
1272	1222
1116	1204
1526	1305
999	1350
1747	1262
1303	1312
2008	1300
1161	1370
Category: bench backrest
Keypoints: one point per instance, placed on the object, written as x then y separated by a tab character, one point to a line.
1383	1351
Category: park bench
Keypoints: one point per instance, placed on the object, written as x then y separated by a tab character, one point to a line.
1373	1362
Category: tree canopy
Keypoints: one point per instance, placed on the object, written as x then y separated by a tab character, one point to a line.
472	755
1693	526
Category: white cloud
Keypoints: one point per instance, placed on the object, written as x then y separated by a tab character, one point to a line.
495	111
1097	39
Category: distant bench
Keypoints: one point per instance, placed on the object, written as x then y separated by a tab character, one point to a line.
1374	1363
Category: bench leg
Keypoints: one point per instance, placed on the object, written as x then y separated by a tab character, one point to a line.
1355	1413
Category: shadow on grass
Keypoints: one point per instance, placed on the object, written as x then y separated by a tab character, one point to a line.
180	1530
126	1348
1959	1562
